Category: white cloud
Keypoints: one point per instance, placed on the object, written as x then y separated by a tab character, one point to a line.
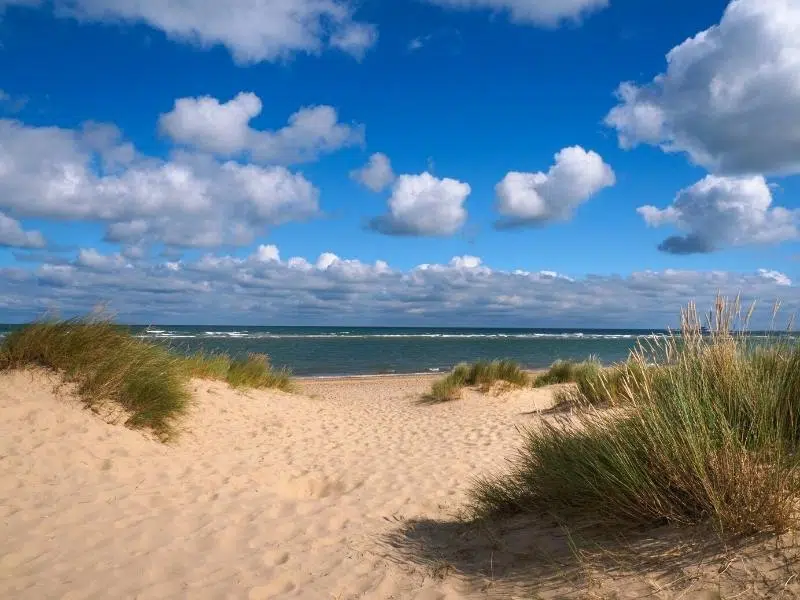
776	276
718	211
465	262
267	253
186	201
730	96
251	30
348	291
207	124
325	260
355	39
12	235
377	174
212	126
92	259
547	13
538	198
423	205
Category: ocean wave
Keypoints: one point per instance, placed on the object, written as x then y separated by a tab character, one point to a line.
398	336
166	336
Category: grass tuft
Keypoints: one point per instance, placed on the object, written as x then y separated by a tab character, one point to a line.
108	364
595	385
483	374
207	365
255	371
710	434
561	371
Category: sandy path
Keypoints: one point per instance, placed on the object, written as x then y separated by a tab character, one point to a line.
265	495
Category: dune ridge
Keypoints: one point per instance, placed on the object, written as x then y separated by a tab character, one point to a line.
345	489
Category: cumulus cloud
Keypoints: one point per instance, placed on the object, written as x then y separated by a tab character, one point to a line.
729	97
719	211
223	128
12	235
547	13
251	30
539	198
377	174
268	253
423	205
465	262
90	258
776	276
189	200
262	287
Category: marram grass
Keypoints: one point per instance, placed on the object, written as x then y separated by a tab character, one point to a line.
108	364
594	384
565	371
482	373
254	371
711	434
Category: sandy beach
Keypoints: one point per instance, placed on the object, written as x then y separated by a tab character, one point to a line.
264	495
319	494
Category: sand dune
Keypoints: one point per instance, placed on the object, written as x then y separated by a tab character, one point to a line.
348	489
264	495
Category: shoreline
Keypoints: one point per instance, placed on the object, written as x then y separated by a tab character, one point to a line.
382	376
368	376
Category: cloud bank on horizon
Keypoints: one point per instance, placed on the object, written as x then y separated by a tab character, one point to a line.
341	291
176	211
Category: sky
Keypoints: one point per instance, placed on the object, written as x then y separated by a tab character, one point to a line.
523	163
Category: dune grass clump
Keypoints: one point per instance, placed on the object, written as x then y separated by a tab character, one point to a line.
482	373
564	371
710	435
207	365
254	371
107	364
595	385
445	390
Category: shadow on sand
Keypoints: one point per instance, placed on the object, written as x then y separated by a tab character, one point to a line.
527	557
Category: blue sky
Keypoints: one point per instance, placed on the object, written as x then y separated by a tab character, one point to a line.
148	159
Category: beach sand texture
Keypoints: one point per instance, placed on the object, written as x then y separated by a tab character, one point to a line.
264	494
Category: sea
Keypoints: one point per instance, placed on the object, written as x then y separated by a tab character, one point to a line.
338	351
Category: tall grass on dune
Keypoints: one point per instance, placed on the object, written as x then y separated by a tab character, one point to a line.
481	373
594	384
107	364
253	371
711	434
566	371
147	380
207	365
